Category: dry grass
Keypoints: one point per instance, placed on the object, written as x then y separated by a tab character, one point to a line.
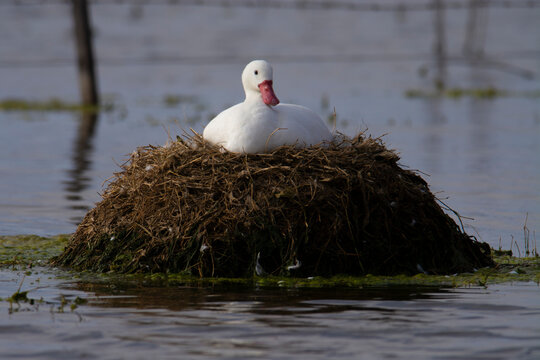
343	208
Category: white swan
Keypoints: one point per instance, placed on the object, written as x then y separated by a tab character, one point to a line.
259	124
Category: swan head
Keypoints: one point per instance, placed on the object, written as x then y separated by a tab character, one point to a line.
257	79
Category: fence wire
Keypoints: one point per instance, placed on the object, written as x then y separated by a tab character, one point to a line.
303	4
366	6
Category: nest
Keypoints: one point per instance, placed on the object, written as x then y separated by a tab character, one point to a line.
344	208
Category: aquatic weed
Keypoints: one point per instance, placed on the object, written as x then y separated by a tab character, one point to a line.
29	250
55	105
479	93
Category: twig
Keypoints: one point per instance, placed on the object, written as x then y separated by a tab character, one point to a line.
269	136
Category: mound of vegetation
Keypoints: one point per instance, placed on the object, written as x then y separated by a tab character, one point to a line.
343	208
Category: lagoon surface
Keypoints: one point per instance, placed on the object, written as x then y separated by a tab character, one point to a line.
140	322
167	68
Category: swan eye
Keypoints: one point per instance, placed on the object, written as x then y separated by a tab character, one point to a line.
256	72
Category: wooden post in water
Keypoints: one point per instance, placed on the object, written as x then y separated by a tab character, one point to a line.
85	55
440	45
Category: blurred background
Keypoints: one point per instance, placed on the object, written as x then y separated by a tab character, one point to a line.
453	86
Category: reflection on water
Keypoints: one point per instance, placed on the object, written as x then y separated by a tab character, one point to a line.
82	153
226	321
475	35
262	299
439	47
480	114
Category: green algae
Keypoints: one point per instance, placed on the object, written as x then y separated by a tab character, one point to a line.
174	100
26	251
29	250
479	93
55	105
508	270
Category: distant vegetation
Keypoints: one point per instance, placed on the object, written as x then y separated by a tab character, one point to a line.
480	93
50	105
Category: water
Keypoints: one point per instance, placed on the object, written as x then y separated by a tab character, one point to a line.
481	155
500	322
